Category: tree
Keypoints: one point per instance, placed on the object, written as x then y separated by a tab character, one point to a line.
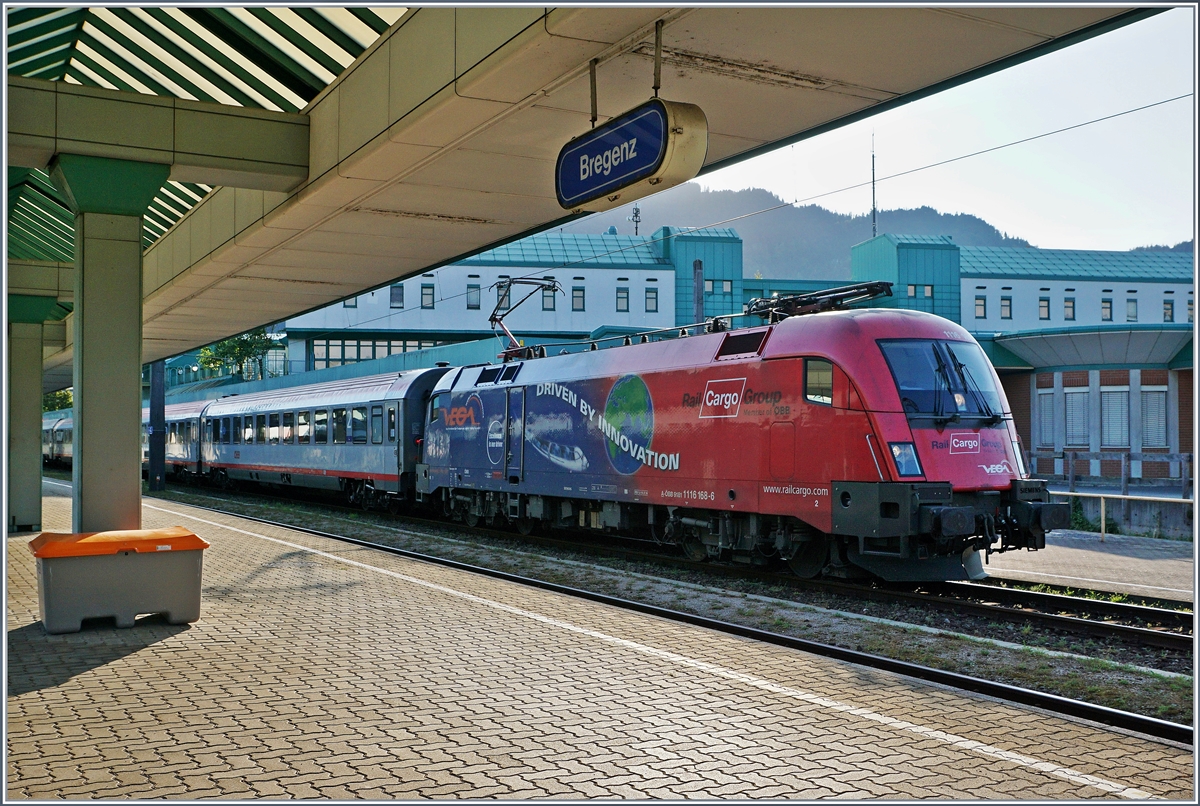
236	351
57	401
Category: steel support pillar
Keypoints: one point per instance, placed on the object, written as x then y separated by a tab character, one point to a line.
157	433
109	198
24	427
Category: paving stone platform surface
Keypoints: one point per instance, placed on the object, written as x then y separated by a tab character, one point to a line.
1145	566
322	669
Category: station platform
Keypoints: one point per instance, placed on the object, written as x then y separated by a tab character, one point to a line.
1141	566
323	669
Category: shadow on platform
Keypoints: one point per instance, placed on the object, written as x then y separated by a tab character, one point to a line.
37	660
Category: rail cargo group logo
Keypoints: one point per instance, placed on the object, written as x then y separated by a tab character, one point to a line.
964	443
628	423
466	419
722	398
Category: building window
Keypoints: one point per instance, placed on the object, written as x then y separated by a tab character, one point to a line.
1106	310
427	296
1043	307
929	291
1154	418
503	297
708	286
1168	310
350	303
397	292
912	290
622	300
1006	307
1131	309
1191	311
1069	309
548	299
473	296
981	307
1046	419
727	286
1114	419
651	300
577	298
1077	418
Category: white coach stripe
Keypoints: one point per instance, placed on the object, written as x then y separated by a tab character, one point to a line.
720	671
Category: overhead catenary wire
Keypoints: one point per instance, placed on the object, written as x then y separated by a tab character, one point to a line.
772	208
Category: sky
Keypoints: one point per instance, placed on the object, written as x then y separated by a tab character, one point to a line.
1116	184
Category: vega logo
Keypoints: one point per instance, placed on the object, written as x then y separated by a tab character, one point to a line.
466	418
964	443
722	398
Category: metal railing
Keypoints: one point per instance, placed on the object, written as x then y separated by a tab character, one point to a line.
1071	458
1123	498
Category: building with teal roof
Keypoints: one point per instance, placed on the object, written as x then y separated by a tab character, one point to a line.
1094	348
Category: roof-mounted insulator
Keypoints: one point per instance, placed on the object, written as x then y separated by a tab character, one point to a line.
775	309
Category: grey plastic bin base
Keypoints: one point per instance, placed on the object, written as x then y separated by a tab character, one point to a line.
122	585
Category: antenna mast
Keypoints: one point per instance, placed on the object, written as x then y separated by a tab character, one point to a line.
636	218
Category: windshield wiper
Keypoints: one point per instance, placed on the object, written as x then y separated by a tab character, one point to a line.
968	382
939	403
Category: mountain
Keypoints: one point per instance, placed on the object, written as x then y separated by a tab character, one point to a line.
1182	246
806	242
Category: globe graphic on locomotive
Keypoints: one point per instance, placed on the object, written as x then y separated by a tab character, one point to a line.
630	409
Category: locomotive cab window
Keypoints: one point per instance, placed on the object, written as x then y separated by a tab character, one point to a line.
436	405
818	381
376	425
302	432
339	427
391	424
321	426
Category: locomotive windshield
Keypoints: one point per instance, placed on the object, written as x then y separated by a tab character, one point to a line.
943	381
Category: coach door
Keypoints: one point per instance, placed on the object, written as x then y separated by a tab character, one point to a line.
515	443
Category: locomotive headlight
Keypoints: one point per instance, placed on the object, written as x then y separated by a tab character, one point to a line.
905	456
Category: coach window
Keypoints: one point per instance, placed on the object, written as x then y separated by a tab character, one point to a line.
224	426
248	429
236	431
391	424
818	381
321	426
377	425
358	425
172	433
273	428
302	433
260	428
288	428
339	426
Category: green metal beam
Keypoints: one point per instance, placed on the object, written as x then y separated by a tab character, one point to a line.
35	310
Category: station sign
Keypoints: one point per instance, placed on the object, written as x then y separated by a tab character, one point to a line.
650	148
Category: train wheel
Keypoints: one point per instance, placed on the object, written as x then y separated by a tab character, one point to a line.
810	557
470	518
693	548
526	526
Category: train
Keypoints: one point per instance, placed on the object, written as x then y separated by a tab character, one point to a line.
851	443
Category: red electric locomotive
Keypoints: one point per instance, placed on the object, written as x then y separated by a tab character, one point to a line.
846	442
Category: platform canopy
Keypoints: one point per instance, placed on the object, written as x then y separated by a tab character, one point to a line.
432	132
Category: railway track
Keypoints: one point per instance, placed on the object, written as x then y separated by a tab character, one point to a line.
1146	725
1169	627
